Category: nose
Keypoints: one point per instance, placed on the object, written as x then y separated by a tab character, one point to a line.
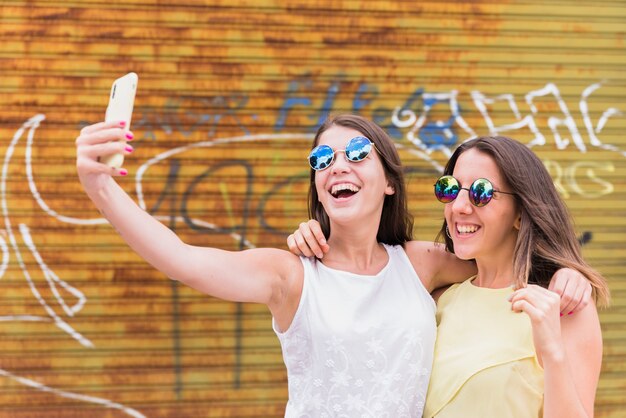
462	203
341	163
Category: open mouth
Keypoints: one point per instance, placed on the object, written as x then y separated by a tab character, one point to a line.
344	190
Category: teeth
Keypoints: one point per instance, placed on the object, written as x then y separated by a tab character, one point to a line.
344	186
466	229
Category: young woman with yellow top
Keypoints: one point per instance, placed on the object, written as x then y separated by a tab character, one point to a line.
504	353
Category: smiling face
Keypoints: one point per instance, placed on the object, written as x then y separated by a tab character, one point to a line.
487	232
395	223
351	191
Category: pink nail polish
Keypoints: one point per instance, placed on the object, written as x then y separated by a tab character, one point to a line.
123	172
129	135
122	123
128	148
570	313
561	314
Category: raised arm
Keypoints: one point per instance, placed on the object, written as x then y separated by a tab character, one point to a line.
266	276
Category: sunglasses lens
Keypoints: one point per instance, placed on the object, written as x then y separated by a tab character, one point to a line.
446	189
481	192
358	148
321	157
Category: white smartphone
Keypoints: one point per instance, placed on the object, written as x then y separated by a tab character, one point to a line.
120	108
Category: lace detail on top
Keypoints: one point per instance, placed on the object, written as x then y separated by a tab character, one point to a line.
360	346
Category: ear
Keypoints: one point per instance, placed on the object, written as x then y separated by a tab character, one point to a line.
518	222
389	190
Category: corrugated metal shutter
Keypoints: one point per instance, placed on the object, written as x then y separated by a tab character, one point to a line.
237	87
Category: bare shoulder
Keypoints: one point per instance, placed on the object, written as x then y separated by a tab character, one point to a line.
284	263
583	325
288	266
423	249
425	258
438	266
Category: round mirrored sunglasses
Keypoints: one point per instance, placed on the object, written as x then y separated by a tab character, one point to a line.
323	156
447	188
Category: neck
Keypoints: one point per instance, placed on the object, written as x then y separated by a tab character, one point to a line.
494	275
495	265
354	250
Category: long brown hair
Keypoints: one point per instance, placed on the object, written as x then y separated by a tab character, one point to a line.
546	240
396	224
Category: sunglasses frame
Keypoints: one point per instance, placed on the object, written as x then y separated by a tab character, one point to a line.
335	151
469	191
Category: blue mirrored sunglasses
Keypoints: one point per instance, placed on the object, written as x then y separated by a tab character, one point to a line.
323	156
447	188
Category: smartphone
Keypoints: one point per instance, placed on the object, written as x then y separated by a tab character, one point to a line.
120	108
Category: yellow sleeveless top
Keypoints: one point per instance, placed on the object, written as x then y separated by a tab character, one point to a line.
485	362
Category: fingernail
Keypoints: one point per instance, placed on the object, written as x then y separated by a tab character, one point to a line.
129	135
561	314
122	123
128	148
123	172
571	313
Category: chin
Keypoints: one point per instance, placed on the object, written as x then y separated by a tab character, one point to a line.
464	254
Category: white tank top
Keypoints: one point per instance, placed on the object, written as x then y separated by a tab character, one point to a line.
360	346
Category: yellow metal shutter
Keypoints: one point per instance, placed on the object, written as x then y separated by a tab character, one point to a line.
230	93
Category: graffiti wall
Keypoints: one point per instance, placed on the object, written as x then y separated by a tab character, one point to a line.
230	94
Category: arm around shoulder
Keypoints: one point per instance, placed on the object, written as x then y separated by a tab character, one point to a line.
437	267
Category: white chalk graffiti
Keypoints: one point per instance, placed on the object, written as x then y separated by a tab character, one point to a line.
591	131
69	395
32	124
51	278
405	118
565	178
417	123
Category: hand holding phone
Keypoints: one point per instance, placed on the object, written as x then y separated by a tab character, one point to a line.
120	108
